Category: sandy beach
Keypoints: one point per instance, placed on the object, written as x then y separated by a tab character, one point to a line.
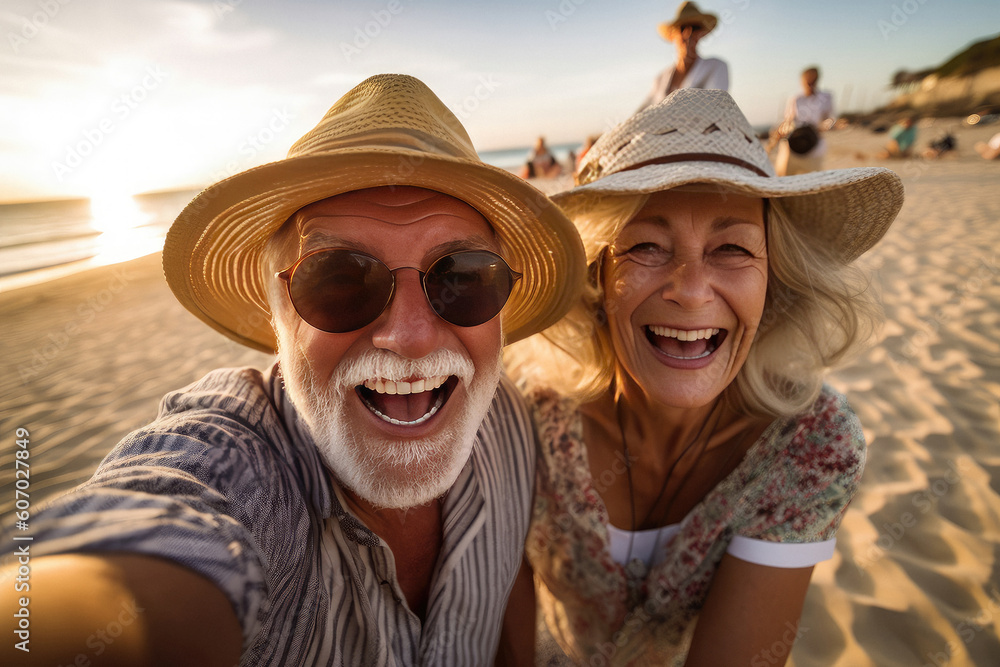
916	577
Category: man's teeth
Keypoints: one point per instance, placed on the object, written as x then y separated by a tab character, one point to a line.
681	334
420	420
382	386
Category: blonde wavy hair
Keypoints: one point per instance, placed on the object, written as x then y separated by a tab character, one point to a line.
818	312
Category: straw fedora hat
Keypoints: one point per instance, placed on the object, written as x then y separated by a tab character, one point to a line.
701	136
688	14
389	130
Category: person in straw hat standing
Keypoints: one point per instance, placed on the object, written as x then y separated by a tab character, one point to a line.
365	500
690	70
693	464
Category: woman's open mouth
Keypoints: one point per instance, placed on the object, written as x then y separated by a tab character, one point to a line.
687	344
406	402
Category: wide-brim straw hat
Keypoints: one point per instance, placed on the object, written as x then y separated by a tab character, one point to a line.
701	137
389	130
688	14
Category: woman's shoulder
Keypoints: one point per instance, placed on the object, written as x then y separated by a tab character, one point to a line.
826	440
831	414
548	403
557	422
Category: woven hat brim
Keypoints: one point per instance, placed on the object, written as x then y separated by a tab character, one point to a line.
850	209
213	252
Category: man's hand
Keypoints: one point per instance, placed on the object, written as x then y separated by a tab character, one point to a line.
117	609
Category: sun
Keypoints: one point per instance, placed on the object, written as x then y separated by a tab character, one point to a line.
113	212
124	228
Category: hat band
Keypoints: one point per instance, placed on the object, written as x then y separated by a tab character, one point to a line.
700	157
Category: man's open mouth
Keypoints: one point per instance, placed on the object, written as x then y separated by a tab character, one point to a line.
406	403
685	343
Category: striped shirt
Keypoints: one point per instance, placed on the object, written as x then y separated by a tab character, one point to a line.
225	482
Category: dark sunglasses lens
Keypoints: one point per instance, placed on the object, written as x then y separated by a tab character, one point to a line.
468	288
339	290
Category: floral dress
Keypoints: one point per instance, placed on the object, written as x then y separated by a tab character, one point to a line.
793	485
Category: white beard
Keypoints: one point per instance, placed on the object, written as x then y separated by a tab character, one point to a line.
389	473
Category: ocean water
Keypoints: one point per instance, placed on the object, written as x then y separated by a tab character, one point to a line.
47	239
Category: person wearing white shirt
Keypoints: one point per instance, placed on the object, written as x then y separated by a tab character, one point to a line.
690	71
813	108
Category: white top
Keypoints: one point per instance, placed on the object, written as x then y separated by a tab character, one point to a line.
812	110
707	73
650	546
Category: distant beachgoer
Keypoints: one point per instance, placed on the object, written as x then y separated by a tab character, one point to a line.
939	147
801	146
989	150
902	137
588	142
544	163
690	71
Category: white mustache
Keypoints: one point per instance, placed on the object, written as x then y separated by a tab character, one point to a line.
382	364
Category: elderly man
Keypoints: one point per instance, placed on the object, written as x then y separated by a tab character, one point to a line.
366	500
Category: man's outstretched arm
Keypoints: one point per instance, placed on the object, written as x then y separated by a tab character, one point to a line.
116	609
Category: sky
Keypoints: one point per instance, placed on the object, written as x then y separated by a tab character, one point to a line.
99	97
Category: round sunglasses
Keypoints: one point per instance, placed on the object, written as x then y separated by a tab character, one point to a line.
338	290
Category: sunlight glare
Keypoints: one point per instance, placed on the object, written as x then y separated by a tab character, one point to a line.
112	212
122	223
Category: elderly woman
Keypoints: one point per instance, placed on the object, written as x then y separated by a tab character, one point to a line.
693	464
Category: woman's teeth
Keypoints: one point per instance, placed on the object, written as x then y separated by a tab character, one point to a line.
681	334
